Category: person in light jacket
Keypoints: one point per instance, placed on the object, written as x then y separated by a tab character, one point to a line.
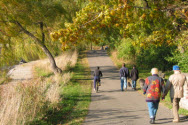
175	84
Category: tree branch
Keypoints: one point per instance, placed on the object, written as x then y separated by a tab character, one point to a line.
29	33
147	5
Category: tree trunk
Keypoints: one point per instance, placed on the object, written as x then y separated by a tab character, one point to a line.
54	67
91	46
102	47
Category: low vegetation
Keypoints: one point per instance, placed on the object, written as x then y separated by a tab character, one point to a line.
75	97
3	77
21	103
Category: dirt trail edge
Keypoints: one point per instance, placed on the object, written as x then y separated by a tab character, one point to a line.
113	107
22	72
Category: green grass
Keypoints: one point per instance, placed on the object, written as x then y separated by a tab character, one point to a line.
40	72
3	77
76	97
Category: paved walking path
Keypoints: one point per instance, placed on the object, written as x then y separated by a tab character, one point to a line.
113	107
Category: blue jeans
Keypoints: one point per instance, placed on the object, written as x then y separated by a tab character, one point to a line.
133	84
123	83
153	107
95	80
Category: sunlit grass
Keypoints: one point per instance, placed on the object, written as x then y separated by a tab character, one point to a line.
21	103
75	98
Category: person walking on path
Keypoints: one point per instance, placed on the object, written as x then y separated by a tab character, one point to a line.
153	87
97	74
124	73
134	77
175	84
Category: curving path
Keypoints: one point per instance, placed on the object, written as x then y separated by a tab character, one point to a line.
113	107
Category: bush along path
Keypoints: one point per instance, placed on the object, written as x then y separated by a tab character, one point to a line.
112	106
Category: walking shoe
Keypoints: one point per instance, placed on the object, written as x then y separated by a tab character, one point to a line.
94	90
125	89
152	121
176	120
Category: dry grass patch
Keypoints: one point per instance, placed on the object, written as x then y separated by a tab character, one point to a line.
21	103
67	59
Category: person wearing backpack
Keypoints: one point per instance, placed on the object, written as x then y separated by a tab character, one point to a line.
124	73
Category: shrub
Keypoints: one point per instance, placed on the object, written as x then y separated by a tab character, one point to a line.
126	49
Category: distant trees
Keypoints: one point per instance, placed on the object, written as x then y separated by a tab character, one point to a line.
21	19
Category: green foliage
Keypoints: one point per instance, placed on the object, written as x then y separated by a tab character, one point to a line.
136	32
30	14
180	59
155	57
126	50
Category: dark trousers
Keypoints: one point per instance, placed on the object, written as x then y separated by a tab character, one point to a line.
96	78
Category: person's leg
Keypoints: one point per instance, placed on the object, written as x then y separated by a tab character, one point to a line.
135	85
122	81
171	100
125	83
151	111
175	109
99	81
132	84
156	106
94	84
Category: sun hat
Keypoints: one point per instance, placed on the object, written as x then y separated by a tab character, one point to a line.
176	67
154	71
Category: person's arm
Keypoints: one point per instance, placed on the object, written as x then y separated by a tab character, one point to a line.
162	88
186	83
100	73
120	73
146	85
137	74
167	86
